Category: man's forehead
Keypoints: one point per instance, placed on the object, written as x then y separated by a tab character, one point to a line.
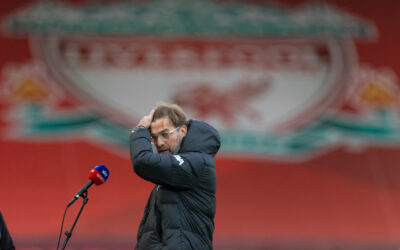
161	124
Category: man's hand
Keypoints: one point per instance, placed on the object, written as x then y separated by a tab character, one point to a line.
146	120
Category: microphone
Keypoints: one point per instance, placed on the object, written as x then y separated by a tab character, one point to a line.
97	175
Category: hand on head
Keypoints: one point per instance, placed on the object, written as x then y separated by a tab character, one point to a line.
146	120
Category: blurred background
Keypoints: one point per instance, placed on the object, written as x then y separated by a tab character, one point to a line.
304	93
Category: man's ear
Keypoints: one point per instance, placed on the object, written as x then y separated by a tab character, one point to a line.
183	130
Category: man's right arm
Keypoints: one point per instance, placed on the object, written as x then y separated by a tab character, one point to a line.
178	171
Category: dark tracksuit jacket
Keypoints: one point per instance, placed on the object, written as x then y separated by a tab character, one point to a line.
6	242
180	211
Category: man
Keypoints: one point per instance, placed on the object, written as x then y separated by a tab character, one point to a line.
180	210
6	242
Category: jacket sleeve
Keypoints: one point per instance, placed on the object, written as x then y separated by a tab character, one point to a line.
6	242
174	170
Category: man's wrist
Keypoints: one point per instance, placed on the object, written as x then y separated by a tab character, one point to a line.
137	127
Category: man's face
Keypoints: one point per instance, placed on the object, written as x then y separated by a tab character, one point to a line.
167	138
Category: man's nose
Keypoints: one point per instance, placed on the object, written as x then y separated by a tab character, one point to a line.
159	142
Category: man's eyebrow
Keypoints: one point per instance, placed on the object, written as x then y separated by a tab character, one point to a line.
162	131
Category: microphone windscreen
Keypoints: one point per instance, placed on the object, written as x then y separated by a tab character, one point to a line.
99	174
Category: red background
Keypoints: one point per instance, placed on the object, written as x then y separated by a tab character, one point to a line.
339	199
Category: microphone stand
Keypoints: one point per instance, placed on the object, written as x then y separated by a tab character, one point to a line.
69	233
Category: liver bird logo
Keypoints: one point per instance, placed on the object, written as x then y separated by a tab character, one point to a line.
207	100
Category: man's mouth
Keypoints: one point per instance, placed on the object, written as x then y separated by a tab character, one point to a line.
163	151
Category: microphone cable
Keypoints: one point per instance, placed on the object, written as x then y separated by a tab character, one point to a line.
61	229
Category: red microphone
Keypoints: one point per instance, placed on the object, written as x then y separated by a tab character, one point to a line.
97	175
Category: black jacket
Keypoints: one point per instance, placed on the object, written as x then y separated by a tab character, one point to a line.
6	242
180	211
